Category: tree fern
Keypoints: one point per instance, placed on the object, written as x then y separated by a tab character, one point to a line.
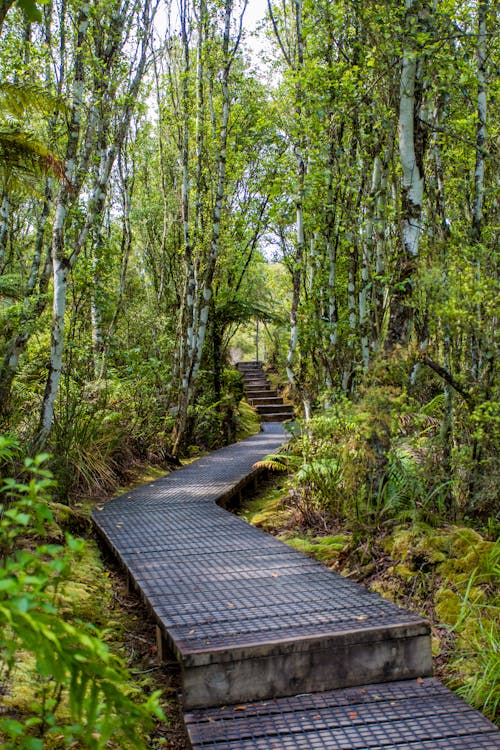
24	158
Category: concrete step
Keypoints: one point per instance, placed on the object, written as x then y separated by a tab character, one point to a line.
265	622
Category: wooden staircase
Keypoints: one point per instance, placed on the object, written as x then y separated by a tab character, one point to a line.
266	401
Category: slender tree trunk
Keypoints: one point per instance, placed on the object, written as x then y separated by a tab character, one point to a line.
366	263
126	182
477	211
36	288
331	254
4	230
60	263
411	152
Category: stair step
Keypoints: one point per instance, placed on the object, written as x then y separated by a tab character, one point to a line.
265	400
276	408
246	365
404	714
277	417
278	638
260	393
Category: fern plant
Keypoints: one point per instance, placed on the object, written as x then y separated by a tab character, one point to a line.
23	156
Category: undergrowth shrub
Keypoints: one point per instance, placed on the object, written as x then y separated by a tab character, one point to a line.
216	422
374	462
99	433
80	693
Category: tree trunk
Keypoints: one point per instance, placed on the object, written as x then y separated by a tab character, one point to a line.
477	211
411	152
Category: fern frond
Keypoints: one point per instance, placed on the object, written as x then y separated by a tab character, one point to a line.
434	408
273	462
270	465
23	158
18	98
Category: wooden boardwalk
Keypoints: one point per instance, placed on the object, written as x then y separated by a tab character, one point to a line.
275	650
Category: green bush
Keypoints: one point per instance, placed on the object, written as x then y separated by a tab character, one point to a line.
80	689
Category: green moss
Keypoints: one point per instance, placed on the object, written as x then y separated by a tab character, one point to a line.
70	519
403	571
471	554
248	421
447	605
266	510
323	548
463	540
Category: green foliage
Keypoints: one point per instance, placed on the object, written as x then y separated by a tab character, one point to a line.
80	688
375	462
281	462
31	10
476	666
248	421
24	157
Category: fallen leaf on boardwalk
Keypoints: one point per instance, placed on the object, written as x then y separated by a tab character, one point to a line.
394	703
275	575
230	604
316	716
353	715
363	691
361	617
240	708
192	631
419	680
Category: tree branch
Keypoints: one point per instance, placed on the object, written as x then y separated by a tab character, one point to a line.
448	377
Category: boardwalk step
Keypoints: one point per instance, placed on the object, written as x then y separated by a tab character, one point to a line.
276	417
265	400
403	715
276	408
259	392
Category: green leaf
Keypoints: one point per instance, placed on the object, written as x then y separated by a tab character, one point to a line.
11	727
29	8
